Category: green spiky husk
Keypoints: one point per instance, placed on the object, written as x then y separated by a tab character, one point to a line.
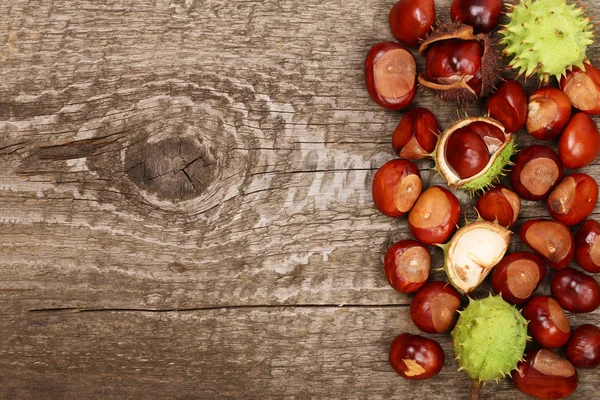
492	176
489	338
547	37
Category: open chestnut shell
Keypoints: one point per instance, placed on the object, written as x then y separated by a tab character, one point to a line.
499	204
536	172
396	187
416	357
583	349
434	307
518	276
549	111
545	375
575	291
406	266
573	199
416	135
435	216
508	104
547	322
411	20
552	240
579	144
391	75
587	246
583	88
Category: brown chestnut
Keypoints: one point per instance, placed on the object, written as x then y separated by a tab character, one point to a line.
575	291
499	204
391	75
587	246
482	15
434	307
508	104
416	135
537	170
415	357
549	110
583	88
579	144
583	349
547	322
396	187
573	199
545	375
406	266
552	240
411	20
435	216
518	276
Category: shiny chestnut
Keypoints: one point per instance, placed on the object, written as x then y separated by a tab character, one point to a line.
391	75
549	110
579	144
573	199
583	349
499	204
482	15
411	20
587	246
396	187
575	291
415	357
518	276
583	88
434	307
537	171
406	265
545	375
552	240
435	216
508	104
416	135
547	322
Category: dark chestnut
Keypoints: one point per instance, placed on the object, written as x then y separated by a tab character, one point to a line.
411	20
518	276
406	265
415	357
482	15
499	204
573	199
508	104
549	111
579	144
587	246
537	170
547	322
391	75
434	307
435	216
575	291
416	135
583	88
545	375
396	187
583	349
552	240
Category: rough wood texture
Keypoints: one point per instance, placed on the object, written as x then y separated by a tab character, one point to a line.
209	156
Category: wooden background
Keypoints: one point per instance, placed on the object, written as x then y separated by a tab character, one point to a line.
185	206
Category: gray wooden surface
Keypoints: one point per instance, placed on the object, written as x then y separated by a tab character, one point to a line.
185	207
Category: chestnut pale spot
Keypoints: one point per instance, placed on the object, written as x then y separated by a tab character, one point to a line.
550	363
542	111
595	251
412	150
413	264
557	315
562	197
550	239
582	92
514	201
394	73
443	311
522	277
539	175
407	192
412	367
430	210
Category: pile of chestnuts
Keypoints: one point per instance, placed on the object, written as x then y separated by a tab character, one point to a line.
558	115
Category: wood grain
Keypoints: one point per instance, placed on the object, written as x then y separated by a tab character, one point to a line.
208	156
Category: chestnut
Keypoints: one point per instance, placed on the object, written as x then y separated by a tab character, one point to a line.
416	135
406	265
434	307
552	240
411	20
518	276
583	88
549	110
545	375
575	291
416	357
396	187
508	104
579	144
587	246
583	349
499	204
435	216
391	75
547	322
482	15
537	170
573	199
